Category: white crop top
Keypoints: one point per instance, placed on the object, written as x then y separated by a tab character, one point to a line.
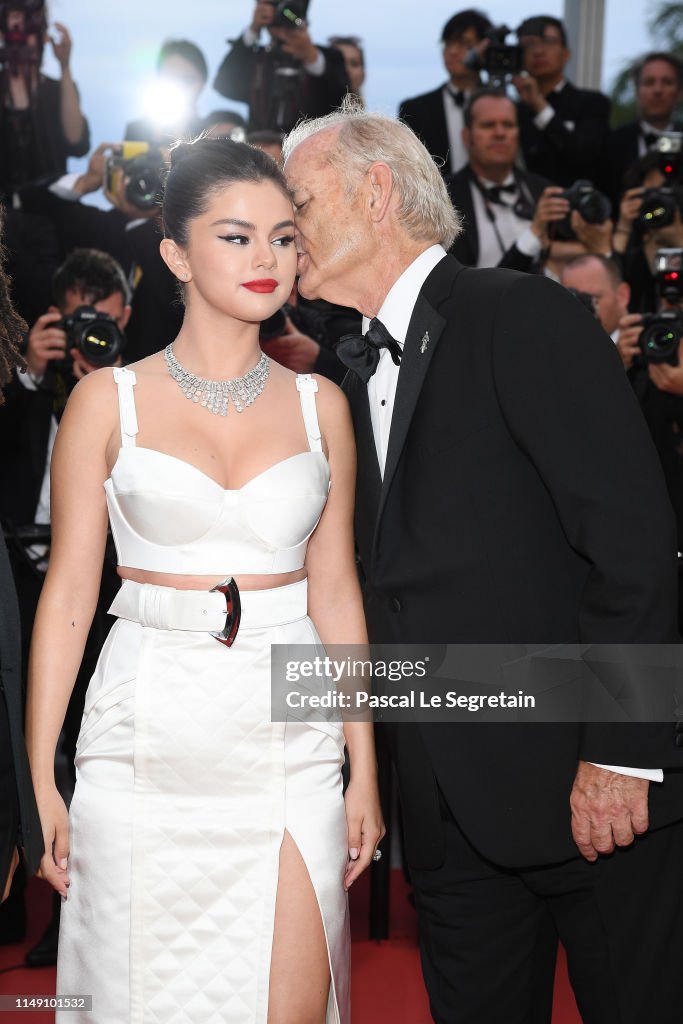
168	516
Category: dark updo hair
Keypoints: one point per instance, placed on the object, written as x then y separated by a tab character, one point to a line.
204	167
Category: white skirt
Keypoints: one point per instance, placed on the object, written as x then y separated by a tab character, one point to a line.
184	788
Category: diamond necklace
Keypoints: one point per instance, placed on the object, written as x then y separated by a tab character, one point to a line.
215	395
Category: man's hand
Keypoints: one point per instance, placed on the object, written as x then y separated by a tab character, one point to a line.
293	349
630	329
93	179
297	43
529	92
608	809
264	13
61	46
45	343
12	868
668	378
549	208
596	237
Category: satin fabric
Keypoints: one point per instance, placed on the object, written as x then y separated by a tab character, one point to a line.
184	790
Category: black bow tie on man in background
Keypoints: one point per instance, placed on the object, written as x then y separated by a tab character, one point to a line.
494	193
650	138
458	97
360	352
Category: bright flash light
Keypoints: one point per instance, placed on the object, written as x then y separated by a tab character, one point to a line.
166	102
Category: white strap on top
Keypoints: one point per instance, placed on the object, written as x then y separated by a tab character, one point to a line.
125	381
307	388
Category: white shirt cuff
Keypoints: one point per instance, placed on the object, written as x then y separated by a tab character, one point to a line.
249	37
652	774
64	187
528	243
544	117
317	68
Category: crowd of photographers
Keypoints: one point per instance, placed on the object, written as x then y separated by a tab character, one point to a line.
544	186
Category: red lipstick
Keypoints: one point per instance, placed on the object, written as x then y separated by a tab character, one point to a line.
264	285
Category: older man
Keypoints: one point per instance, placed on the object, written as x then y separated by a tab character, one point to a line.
507	492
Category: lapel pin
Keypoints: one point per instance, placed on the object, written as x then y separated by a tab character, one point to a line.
425	342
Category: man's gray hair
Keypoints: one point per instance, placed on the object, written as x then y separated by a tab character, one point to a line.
425	209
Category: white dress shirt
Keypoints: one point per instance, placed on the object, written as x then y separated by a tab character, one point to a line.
395	313
454	125
511	229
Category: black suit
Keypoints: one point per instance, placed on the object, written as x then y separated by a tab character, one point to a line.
560	153
19	821
517	505
466	246
247	74
425	115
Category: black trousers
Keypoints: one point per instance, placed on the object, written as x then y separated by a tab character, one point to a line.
488	934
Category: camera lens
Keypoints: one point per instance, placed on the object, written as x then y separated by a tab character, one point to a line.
659	343
657	210
99	343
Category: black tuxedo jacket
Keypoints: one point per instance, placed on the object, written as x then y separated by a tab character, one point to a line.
522	502
247	75
24	433
466	246
620	152
425	115
562	154
19	821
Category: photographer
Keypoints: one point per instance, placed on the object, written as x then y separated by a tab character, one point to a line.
562	128
286	81
506	211
600	277
658	81
181	75
650	218
437	116
41	122
129	232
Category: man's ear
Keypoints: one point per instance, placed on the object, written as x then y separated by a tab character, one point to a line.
381	182
125	317
175	259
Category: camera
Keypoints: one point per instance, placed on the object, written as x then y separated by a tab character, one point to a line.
668	272
594	207
96	335
500	60
660	337
28	20
289	13
657	208
669	146
143	167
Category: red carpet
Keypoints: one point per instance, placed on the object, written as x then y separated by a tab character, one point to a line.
387	984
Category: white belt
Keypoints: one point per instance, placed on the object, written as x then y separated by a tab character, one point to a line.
202	610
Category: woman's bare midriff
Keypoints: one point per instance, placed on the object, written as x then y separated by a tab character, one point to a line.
182	582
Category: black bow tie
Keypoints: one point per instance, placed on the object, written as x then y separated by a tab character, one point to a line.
650	138
458	97
360	352
494	193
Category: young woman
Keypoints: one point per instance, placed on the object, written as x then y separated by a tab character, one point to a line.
208	857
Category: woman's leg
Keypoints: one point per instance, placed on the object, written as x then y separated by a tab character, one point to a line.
300	969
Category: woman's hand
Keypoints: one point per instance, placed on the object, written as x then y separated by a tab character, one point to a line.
54	818
365	826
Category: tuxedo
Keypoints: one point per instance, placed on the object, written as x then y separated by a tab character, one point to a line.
248	74
571	144
517	505
425	115
466	246
19	821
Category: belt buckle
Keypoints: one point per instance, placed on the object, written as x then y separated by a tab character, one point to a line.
227	634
